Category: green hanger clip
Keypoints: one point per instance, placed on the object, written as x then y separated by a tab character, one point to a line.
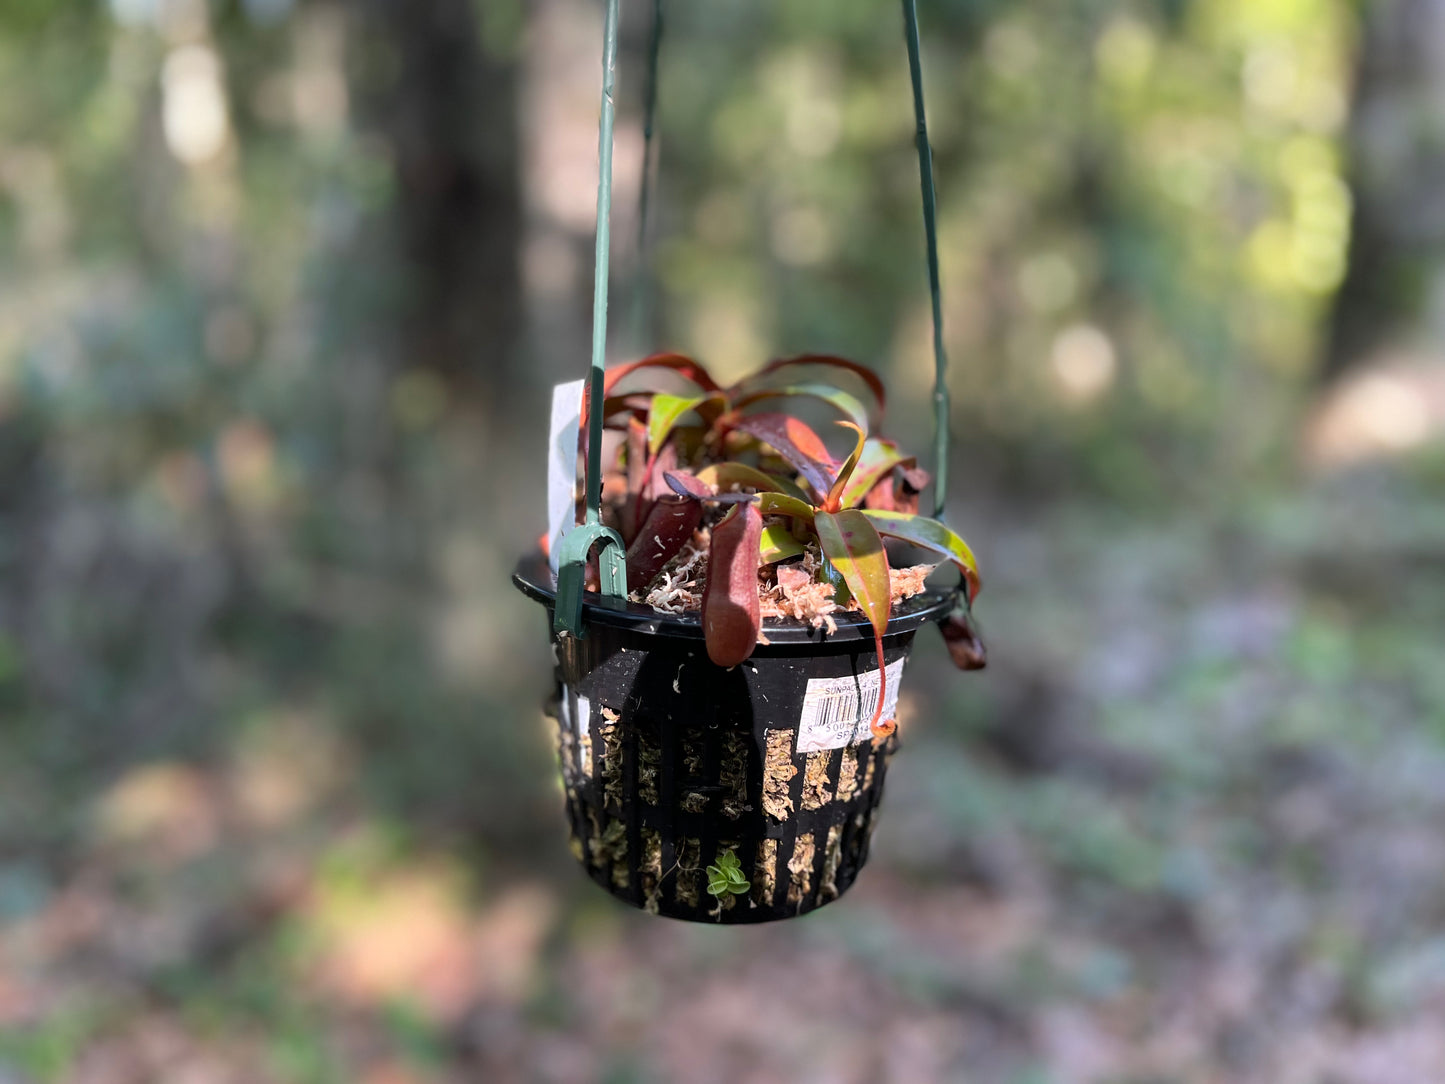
572	573
578	543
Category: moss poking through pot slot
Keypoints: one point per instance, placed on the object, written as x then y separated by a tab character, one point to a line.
584	755
594	841
800	866
832	855
574	753
848	774
733	774
862	831
649	870
611	759
649	763
765	872
815	779
689	871
609	848
778	771
692	757
883	750
693	802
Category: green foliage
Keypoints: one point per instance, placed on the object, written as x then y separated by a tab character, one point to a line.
849	540
725	877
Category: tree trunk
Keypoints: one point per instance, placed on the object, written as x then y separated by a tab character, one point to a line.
1393	296
448	110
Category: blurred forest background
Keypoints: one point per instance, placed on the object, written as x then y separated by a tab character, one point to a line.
284	285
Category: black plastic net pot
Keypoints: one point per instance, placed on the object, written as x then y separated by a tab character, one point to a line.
669	761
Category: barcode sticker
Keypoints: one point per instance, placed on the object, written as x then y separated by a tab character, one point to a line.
837	711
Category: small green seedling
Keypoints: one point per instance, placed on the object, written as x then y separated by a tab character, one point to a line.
726	878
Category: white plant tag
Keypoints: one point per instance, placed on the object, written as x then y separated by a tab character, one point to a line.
562	465
584	717
837	711
578	722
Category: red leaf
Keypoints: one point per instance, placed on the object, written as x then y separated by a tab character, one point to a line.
898	494
667	528
867	375
685	484
881	497
678	363
798	444
634	404
657	467
632	511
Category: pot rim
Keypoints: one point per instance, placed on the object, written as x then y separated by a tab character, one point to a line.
533	577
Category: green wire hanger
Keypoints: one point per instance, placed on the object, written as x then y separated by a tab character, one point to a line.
579	543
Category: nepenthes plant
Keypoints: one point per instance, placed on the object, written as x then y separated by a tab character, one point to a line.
745	497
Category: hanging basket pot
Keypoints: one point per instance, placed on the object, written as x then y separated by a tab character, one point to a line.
672	764
708	777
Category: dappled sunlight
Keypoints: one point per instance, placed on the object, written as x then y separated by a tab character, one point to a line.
197	125
283	768
1083	362
410	934
1389	408
160	813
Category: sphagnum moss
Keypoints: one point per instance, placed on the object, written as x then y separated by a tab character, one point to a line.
778	771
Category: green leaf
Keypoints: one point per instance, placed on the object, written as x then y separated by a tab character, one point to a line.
878	459
930	535
853	545
721	881
726	876
777	504
722	475
848	405
841	595
778	544
666	411
834	500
